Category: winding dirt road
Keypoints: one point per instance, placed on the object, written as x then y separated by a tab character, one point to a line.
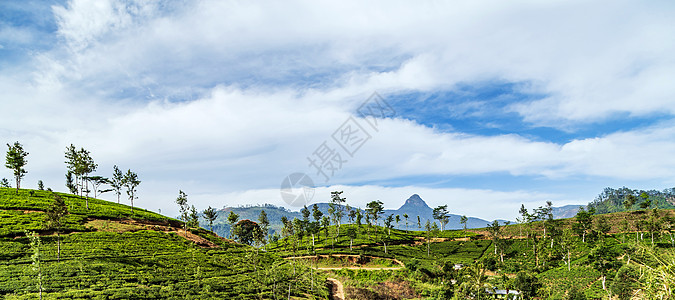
337	291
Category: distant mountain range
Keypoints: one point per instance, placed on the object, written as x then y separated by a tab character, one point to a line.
567	211
413	206
610	200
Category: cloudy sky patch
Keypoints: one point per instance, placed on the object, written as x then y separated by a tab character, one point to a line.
502	103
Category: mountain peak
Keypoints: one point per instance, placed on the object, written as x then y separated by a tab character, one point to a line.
415	202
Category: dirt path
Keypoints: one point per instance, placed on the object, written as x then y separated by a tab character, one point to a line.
360	268
400	263
337	291
135	225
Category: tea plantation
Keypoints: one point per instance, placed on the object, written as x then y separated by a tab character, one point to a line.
156	261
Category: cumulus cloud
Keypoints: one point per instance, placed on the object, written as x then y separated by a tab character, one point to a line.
227	97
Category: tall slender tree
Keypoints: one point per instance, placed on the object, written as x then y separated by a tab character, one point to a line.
81	164
193	219
441	214
210	215
131	182
336	202
316	214
463	220
584	222
15	160
54	220
183	207
71	185
117	182
232	218
405	216
264	224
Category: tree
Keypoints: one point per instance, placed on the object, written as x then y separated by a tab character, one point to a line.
41	185
305	214
527	284
232	219
575	294
602	226
299	229
96	182
646	202
211	215
567	245
603	257
316	214
629	202
131	182
405	216
419	223
352	214
388	223
325	222
441	214
117	182
398	219
15	160
359	216
351	233
5	183
193	219
626	281
264	223
245	231
35	245
463	220
374	209
653	223
584	222
70	184
427	227
54	220
183	207
80	164
336	203
475	284
495	233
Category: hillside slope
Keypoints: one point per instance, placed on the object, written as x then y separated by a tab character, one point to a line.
108	252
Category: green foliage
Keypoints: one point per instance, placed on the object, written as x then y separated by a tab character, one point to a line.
624	199
15	160
527	284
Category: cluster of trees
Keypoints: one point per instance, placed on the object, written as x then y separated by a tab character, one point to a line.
249	232
313	222
189	214
79	179
81	165
625	199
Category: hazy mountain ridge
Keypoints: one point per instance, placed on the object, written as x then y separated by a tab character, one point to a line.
414	206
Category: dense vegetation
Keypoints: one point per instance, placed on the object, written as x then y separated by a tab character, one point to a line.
586	257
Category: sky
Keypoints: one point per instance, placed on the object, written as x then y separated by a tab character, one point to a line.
478	105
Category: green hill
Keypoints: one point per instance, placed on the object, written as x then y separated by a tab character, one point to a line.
107	252
614	200
455	263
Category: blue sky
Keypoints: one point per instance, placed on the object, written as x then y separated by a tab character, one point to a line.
496	104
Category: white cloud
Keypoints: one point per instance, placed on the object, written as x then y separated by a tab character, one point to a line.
222	96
